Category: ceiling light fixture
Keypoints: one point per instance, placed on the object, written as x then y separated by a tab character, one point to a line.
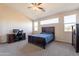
37	6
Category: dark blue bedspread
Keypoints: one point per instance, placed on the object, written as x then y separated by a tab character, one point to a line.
46	36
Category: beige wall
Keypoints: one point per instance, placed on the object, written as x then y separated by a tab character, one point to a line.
61	35
11	19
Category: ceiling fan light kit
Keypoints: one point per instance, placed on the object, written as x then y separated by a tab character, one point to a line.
37	6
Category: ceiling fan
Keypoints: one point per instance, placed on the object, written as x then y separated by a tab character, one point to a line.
37	6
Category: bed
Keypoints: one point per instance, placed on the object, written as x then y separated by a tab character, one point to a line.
45	37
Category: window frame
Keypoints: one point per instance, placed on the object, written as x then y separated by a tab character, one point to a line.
35	26
65	28
42	21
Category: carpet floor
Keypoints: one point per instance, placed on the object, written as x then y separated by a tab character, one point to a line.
22	48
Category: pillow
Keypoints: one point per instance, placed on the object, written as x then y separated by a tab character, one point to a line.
43	33
46	33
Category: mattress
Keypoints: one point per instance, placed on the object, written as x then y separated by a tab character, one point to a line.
46	36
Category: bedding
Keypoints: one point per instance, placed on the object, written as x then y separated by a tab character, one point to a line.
47	36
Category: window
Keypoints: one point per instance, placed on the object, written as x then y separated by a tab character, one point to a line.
68	27
69	21
35	25
50	21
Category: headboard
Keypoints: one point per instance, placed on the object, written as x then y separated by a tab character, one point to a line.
48	29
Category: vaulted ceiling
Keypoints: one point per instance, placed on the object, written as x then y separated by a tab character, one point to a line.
51	8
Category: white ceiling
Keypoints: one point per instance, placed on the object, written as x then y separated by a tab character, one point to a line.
51	8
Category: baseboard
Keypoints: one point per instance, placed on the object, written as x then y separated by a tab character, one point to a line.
63	42
3	42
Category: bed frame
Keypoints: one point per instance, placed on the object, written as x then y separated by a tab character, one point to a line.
41	41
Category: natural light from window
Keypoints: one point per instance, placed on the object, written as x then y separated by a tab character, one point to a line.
69	21
49	21
35	25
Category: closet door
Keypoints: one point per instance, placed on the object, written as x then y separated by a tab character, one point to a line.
77	38
74	36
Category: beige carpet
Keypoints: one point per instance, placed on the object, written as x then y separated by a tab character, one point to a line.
22	48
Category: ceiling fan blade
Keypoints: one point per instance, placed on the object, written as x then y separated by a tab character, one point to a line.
41	9
33	4
36	3
29	7
39	3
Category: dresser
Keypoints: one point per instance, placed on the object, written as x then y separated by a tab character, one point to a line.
13	37
10	38
75	37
